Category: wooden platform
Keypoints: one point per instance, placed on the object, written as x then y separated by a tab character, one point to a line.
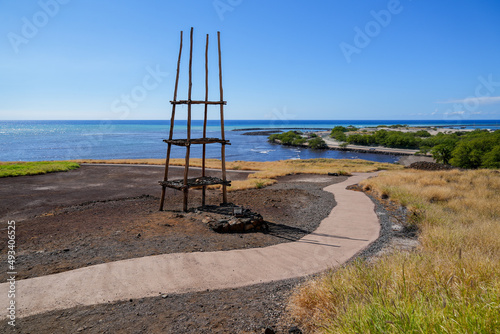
195	182
198	102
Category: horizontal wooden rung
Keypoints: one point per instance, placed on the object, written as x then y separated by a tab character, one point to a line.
195	182
185	142
198	102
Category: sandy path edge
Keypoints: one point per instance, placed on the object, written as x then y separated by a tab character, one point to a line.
351	226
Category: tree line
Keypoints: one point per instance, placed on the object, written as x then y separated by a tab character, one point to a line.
465	149
295	138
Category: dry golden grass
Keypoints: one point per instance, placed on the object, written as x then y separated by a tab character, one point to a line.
451	284
266	172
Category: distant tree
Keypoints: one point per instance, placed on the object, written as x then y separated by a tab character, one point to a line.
293	138
272	138
317	143
299	141
339	128
286	138
359	139
470	153
442	153
424	150
401	140
492	158
440	138
339	135
422	133
380	136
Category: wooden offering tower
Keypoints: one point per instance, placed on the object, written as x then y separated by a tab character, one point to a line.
202	182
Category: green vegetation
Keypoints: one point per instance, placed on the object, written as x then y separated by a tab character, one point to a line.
34	168
338	135
396	139
474	149
448	284
295	138
477	149
338	132
288	138
344	129
442	153
317	143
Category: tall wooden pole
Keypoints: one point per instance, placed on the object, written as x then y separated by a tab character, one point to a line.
223	149
204	189
188	148
170	136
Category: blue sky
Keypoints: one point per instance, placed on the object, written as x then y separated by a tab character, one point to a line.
350	59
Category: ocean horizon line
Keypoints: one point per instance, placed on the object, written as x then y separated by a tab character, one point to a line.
250	120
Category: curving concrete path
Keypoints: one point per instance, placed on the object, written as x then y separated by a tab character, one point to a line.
351	226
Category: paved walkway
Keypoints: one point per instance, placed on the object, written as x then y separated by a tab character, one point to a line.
351	226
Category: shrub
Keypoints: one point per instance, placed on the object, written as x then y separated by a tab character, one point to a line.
339	129
339	135
422	133
286	138
442	153
299	141
317	143
492	158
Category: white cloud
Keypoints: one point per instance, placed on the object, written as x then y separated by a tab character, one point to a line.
455	113
476	100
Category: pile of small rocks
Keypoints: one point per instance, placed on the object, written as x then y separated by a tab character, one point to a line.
227	219
426	165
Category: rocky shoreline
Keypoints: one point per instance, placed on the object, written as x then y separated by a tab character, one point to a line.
261	133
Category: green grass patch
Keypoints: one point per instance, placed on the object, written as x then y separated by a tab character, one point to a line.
35	167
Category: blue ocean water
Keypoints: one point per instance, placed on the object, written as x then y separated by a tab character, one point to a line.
64	140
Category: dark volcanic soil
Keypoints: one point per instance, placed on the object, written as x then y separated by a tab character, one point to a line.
249	309
104	231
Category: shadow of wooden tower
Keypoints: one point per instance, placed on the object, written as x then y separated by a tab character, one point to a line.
198	182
